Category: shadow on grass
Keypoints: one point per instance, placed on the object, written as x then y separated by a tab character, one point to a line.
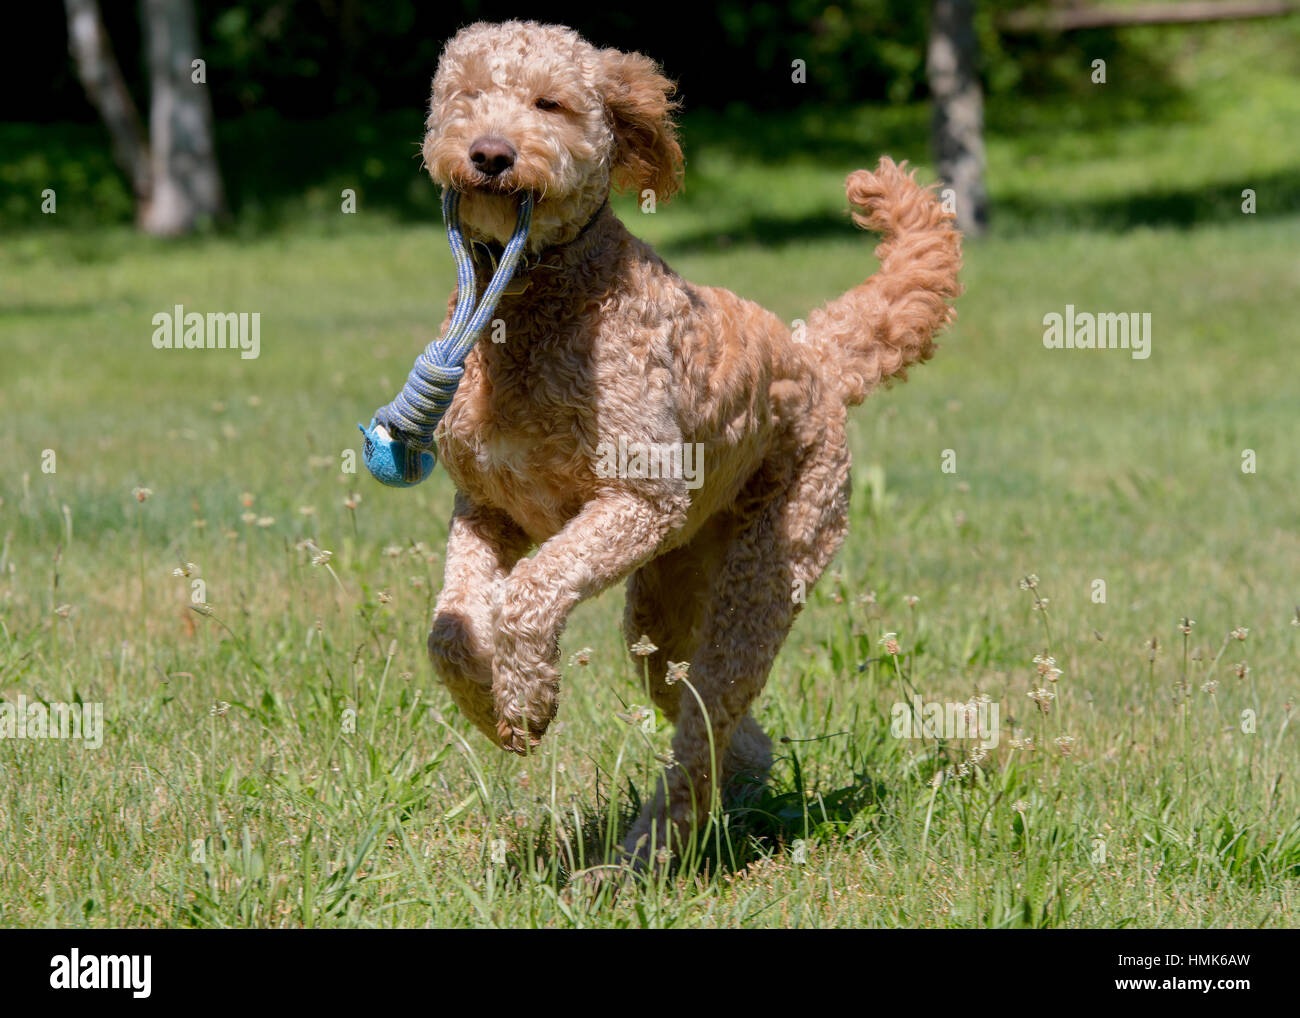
762	231
1025	214
1185	208
817	135
757	821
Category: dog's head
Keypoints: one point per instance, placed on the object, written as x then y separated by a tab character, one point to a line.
522	106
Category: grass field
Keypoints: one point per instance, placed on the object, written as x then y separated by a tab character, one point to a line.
276	751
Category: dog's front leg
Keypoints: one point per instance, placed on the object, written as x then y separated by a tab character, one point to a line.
607	540
483	545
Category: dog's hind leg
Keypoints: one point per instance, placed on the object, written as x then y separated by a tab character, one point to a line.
789	525
483	545
668	601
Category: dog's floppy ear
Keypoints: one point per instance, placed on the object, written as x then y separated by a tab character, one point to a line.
640	103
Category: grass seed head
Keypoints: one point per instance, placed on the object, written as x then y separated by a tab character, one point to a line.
643	647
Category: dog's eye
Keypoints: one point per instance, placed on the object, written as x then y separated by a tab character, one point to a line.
542	103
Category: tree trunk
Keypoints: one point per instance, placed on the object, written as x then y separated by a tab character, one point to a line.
102	79
186	181
958	127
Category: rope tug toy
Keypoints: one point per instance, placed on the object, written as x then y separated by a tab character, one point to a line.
399	442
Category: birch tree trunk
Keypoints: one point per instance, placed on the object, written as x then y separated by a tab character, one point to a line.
957	135
92	53
183	163
173	172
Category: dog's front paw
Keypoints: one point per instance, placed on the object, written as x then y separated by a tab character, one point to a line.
525	711
525	682
516	737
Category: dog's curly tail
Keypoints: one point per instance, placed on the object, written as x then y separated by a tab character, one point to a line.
878	329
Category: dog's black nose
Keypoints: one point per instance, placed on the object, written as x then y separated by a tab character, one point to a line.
492	155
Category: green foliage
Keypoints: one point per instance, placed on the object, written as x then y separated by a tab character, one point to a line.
301	59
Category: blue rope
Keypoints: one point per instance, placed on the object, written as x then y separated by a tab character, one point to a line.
403	456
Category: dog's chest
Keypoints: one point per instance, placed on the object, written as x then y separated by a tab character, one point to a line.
520	432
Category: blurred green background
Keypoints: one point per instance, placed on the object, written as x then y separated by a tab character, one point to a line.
311	96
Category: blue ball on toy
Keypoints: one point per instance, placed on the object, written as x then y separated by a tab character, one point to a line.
393	462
